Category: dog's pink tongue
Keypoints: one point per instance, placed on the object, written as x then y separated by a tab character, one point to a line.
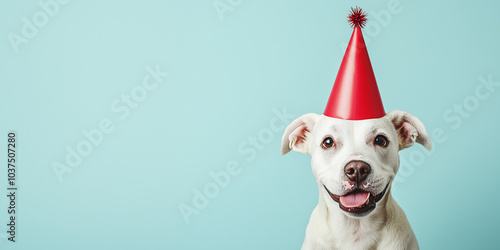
354	200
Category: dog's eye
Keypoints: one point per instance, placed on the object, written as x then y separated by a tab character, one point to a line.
381	140
327	143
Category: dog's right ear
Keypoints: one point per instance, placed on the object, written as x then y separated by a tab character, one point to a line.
297	134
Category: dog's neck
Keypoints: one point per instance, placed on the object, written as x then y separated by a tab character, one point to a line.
363	231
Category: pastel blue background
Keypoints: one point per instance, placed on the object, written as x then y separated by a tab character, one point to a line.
227	77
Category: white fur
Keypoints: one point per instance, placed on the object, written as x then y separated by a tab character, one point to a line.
329	227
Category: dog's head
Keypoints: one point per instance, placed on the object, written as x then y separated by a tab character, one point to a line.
354	162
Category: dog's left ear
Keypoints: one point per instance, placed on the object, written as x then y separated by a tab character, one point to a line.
410	130
297	134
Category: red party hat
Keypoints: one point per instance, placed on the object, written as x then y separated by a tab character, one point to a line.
355	94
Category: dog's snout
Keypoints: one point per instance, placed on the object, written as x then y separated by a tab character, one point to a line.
357	170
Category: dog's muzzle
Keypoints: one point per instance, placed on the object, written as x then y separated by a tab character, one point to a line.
358	202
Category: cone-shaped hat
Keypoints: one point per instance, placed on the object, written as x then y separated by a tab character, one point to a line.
355	94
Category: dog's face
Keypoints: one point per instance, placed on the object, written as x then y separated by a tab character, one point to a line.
354	162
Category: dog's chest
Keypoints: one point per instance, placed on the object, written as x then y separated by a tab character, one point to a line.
356	236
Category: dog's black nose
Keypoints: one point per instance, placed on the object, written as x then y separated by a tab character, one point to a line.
357	170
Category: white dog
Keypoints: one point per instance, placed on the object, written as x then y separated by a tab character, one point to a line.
354	163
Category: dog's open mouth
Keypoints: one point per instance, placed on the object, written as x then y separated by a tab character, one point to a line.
358	202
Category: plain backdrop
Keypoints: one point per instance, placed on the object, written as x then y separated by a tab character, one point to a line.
205	138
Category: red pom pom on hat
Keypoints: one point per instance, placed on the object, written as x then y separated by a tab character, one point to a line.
355	94
357	17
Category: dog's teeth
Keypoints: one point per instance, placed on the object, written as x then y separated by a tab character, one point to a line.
367	199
